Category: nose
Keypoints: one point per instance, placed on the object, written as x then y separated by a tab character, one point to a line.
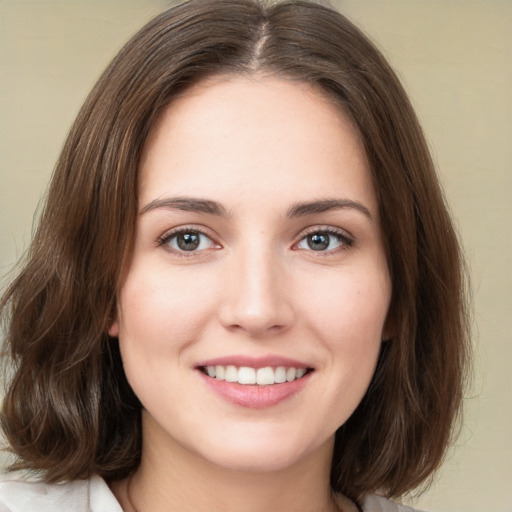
256	298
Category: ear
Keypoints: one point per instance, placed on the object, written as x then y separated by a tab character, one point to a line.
113	330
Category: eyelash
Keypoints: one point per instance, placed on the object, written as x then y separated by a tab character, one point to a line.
169	235
344	238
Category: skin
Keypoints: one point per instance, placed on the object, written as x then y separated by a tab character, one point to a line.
257	146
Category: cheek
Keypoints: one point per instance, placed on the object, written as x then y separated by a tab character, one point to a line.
351	308
162	311
159	316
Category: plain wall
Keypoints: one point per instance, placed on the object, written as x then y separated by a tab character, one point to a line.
454	58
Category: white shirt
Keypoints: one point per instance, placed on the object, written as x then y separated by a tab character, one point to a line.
23	494
20	494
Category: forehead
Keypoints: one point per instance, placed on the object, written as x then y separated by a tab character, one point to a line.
252	132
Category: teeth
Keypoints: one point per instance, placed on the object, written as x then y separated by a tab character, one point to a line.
300	373
250	376
220	372
280	375
265	376
231	374
247	375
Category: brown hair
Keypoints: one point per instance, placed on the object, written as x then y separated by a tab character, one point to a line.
69	411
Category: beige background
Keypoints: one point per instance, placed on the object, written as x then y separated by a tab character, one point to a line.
455	60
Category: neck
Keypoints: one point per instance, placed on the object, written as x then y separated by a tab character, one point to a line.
171	479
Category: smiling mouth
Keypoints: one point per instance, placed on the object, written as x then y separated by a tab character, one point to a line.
249	376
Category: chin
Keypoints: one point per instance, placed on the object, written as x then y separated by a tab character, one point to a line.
250	461
261	453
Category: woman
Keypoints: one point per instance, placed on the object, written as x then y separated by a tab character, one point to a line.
245	291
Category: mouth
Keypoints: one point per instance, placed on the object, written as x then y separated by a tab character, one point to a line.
255	382
251	376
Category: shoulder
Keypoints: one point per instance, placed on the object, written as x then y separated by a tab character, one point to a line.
374	503
22	493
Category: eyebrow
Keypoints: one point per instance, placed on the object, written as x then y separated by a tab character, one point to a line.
187	204
325	205
302	209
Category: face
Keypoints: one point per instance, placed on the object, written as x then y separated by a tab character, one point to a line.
252	314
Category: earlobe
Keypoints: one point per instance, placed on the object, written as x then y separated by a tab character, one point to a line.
113	330
112	323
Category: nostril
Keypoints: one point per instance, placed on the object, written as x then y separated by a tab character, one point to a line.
254	299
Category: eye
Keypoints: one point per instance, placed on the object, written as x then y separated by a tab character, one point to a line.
324	241
187	241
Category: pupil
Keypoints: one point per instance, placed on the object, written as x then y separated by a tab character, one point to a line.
318	241
188	241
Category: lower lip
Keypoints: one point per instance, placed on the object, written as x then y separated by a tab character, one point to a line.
254	396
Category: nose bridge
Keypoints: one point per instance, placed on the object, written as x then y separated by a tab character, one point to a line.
256	298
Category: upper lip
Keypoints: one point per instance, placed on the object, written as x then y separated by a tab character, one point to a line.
255	362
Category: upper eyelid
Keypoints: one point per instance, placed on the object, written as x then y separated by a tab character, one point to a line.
324	229
346	239
169	234
319	228
189	227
